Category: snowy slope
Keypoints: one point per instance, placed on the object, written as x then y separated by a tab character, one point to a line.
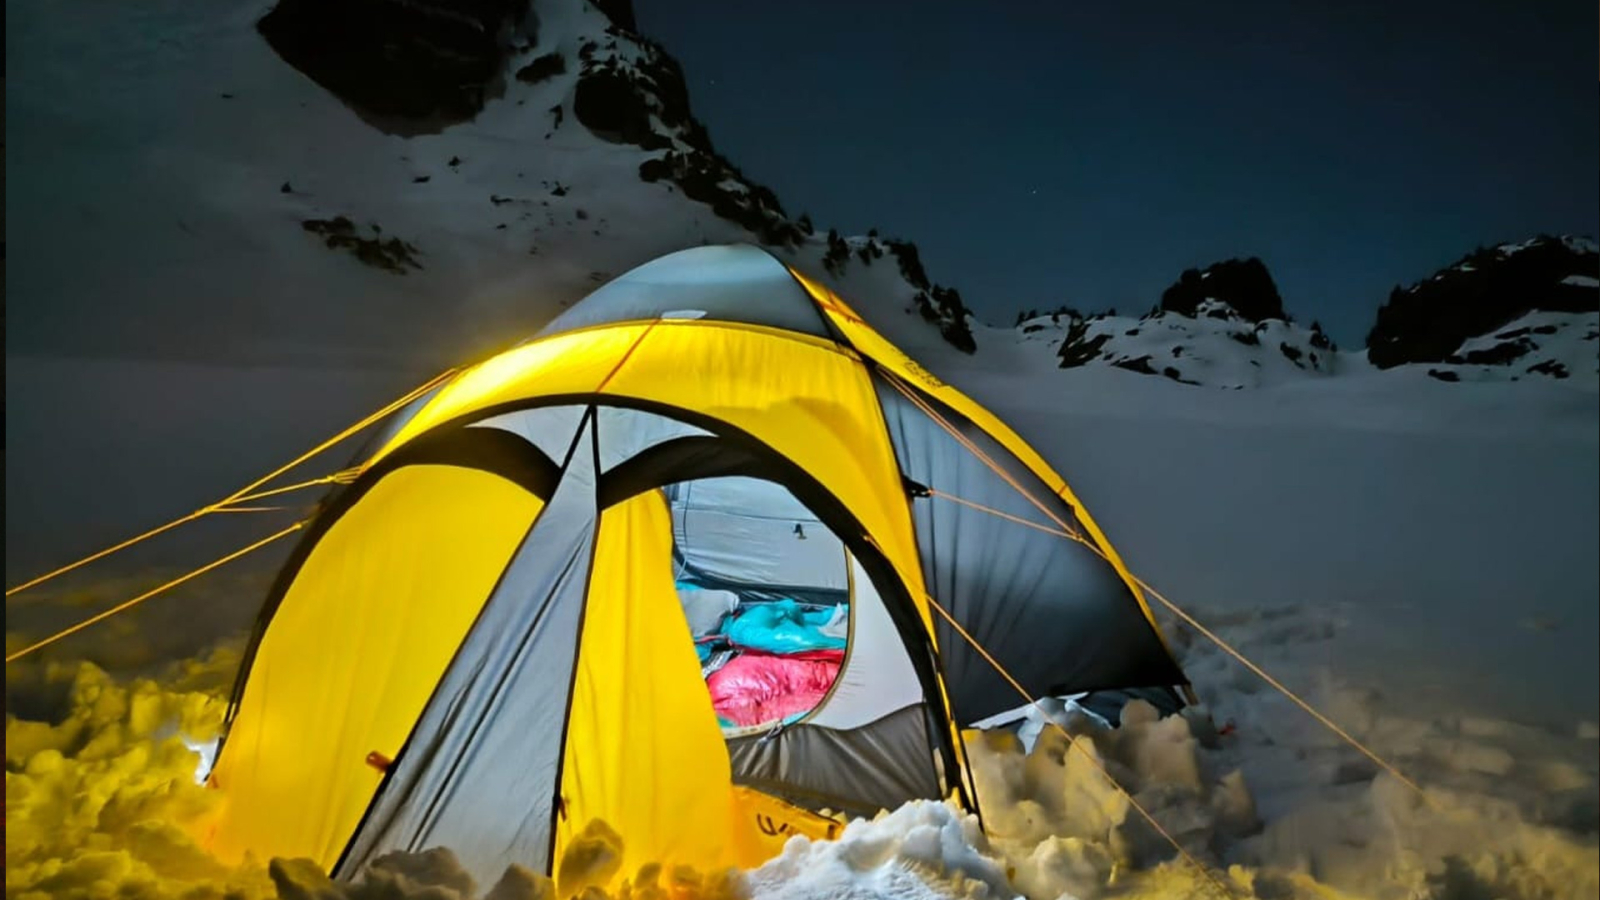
202	182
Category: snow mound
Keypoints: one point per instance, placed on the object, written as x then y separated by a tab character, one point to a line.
1217	347
923	849
102	799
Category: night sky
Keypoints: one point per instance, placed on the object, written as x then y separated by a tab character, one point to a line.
1043	153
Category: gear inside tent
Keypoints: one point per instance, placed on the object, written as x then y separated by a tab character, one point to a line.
708	560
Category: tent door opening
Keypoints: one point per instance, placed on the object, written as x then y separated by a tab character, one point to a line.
768	592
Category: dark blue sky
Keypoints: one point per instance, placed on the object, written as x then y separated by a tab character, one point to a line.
1050	152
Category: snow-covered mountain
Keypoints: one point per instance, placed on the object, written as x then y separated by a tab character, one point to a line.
1223	326
1217	346
1529	310
476	168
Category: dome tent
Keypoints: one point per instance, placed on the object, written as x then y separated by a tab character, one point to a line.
481	642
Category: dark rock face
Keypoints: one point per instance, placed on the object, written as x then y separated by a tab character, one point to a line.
1428	321
408	66
391	254
608	102
937	304
618	11
1139	364
700	176
1245	285
1078	349
644	101
546	66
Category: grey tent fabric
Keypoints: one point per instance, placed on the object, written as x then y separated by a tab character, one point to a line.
877	676
550	428
1054	613
451	784
623	433
705	609
749	531
859	770
734	283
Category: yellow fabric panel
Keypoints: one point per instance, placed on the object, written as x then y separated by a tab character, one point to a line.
805	398
356	648
644	753
764	824
878	348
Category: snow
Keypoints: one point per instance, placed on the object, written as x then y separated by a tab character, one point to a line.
1511	249
1588	281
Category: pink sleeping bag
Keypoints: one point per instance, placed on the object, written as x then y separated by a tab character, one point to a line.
757	688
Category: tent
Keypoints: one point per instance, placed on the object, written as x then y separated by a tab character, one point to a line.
509	626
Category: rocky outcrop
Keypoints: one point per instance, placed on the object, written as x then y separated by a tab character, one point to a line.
1244	285
938	304
406	66
1429	322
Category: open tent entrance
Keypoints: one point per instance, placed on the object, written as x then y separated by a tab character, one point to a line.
768	591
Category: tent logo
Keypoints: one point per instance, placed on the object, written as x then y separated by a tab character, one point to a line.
769	827
923	375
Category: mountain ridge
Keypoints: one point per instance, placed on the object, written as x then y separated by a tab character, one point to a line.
1198	335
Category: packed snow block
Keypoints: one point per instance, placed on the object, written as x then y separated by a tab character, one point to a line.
1065	867
786	627
407	66
300	879
435	872
756	688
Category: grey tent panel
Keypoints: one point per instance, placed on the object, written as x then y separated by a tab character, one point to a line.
626	433
550	428
749	531
504	697
734	283
1052	611
877	676
859	770
623	433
